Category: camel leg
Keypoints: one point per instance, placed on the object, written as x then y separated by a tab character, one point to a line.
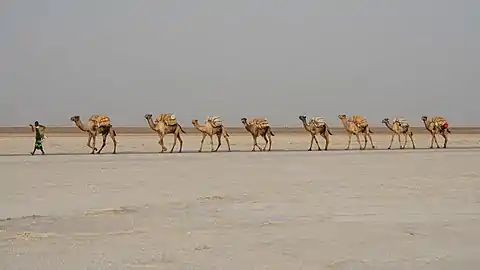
349	141
391	141
358	140
201	142
399	141
266	142
270	142
114	140
436	142
255	144
371	141
411	139
89	141
445	137
104	142
219	140
327	140
181	142
406	141
316	141
162	143
311	142
228	142
365	141
174	142
211	143
93	146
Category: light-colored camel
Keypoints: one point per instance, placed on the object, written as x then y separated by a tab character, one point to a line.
163	129
97	124
259	127
436	125
315	126
213	126
399	126
354	126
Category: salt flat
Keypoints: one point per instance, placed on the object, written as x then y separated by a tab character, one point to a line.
403	209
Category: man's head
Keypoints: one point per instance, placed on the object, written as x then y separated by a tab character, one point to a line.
36	123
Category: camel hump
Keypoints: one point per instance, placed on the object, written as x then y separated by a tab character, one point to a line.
259	122
318	121
168	119
359	120
215	121
100	120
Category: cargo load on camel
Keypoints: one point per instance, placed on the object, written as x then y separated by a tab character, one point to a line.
215	121
100	120
168	119
438	121
401	122
358	120
317	121
259	122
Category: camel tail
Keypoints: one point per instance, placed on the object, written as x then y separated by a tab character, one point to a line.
448	130
271	133
369	130
181	129
328	130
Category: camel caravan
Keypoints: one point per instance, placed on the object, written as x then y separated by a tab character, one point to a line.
213	126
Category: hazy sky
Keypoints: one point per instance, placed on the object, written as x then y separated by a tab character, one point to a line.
243	58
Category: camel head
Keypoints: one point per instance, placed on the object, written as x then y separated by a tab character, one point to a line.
424	118
244	120
148	116
194	121
385	121
342	116
303	117
75	118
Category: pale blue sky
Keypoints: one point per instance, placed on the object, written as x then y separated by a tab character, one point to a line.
271	58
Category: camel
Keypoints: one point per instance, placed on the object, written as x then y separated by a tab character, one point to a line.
259	127
213	126
399	126
316	126
97	124
166	124
436	125
354	126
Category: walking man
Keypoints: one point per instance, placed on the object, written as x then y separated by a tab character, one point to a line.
39	137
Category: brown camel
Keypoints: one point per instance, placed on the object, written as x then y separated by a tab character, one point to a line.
354	126
400	126
213	126
259	127
97	124
315	126
436	125
166	124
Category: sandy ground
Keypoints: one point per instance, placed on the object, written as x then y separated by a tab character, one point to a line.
403	209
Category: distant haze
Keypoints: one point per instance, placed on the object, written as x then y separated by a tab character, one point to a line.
271	58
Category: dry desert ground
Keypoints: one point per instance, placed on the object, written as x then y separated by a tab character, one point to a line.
402	209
